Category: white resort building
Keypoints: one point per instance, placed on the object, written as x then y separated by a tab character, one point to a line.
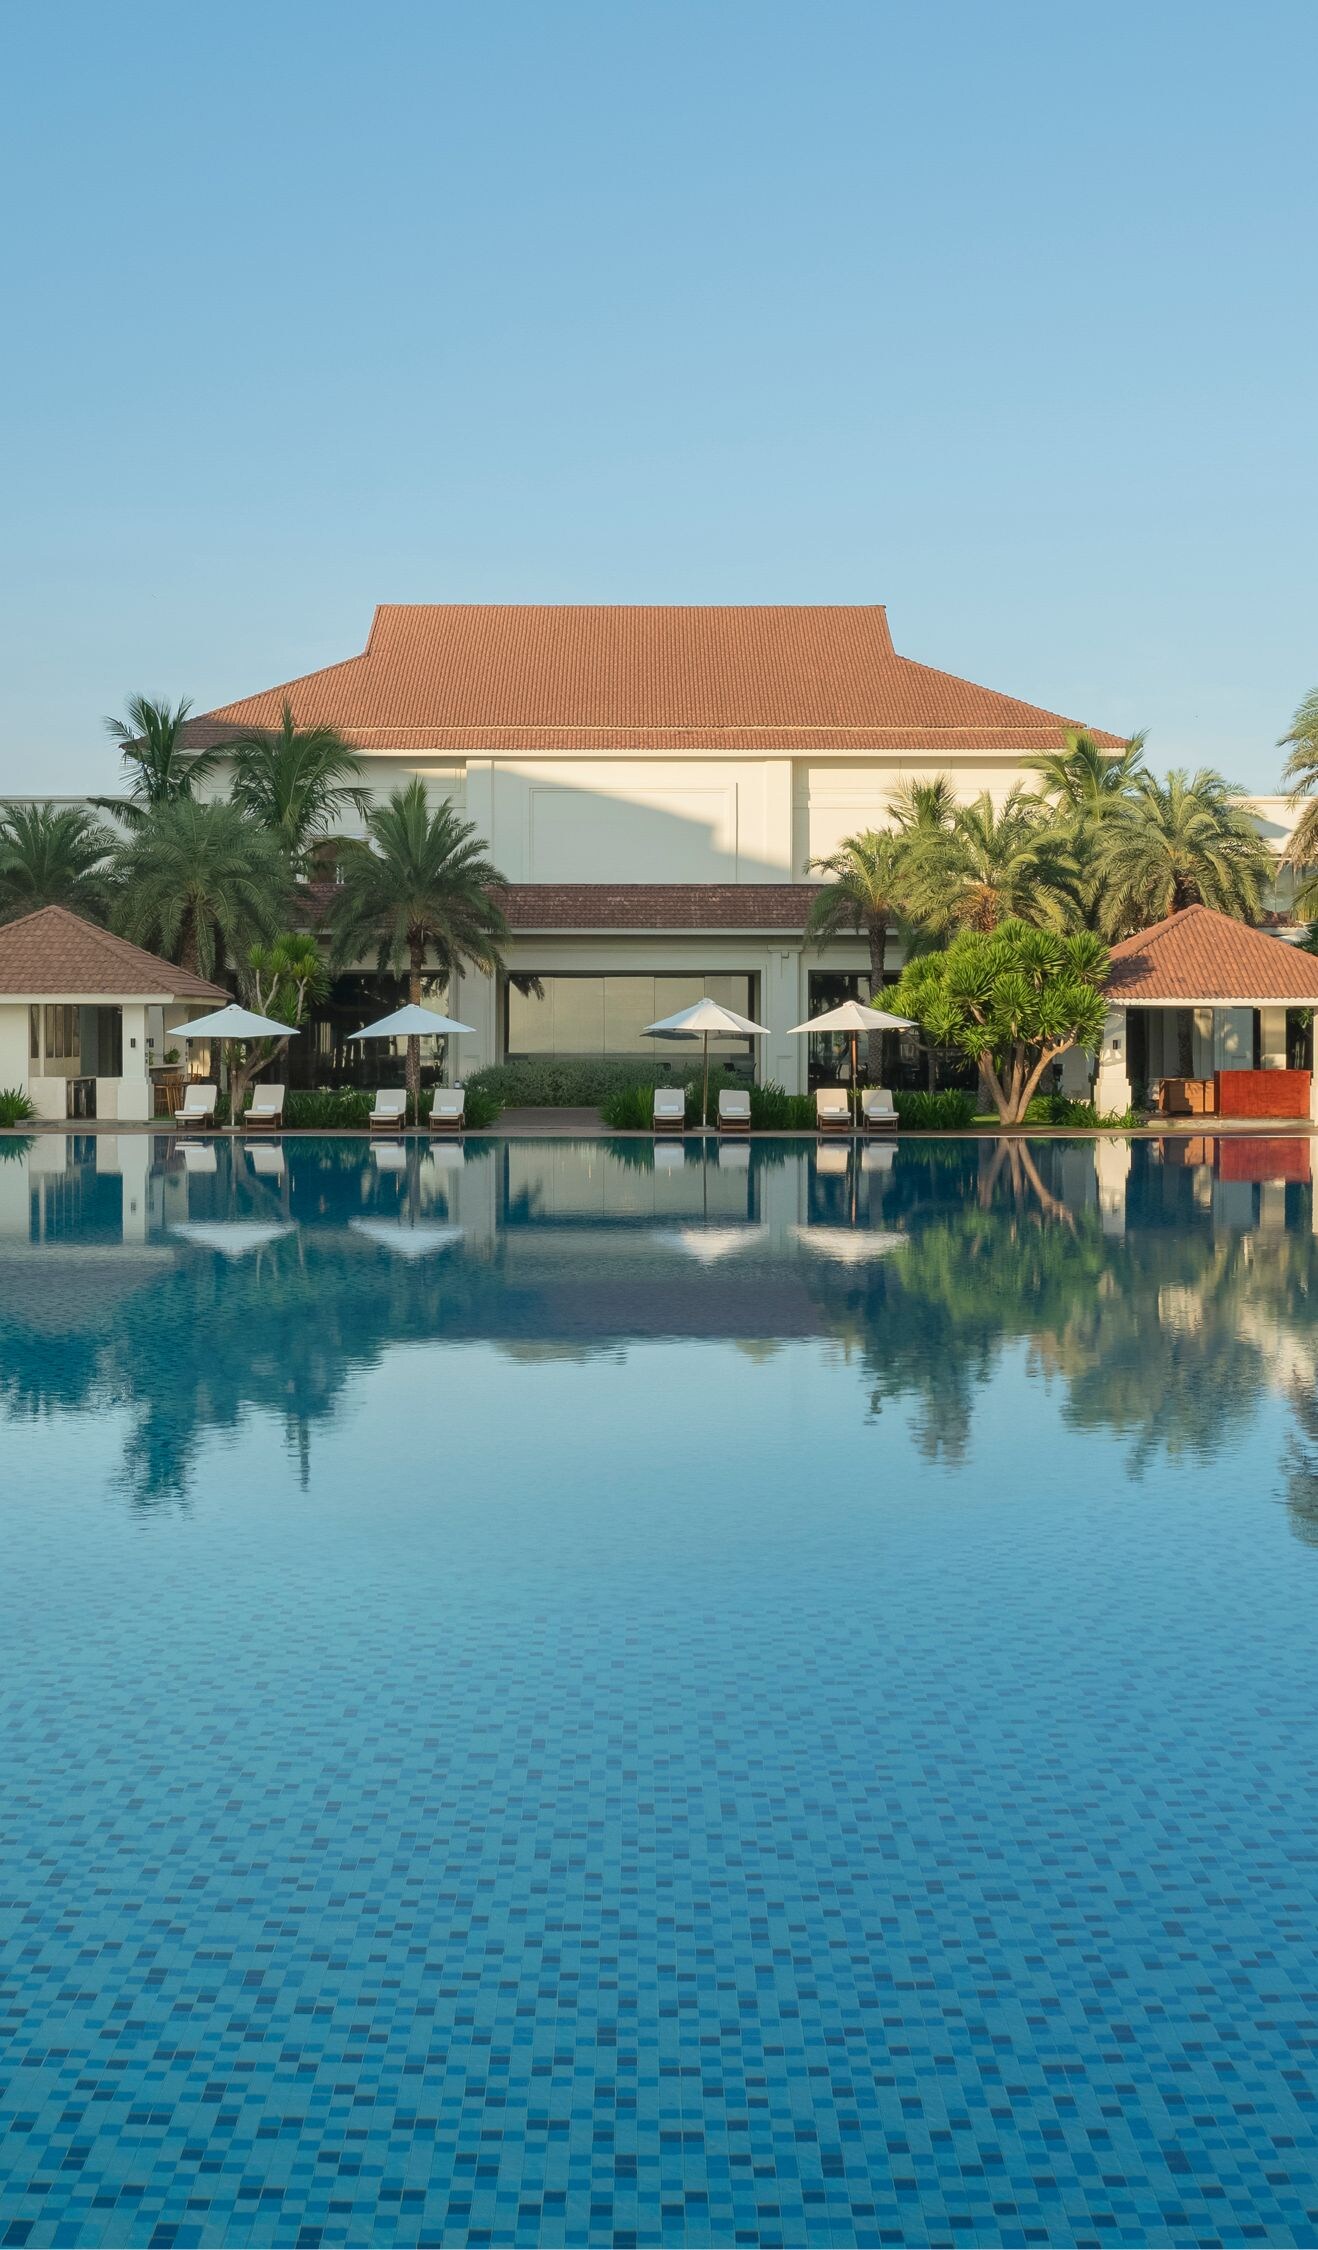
654	783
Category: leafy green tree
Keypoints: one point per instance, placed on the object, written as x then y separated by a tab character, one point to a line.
282	981
990	863
1300	774
159	766
420	886
53	855
1012	1000
200	883
297	782
1179	842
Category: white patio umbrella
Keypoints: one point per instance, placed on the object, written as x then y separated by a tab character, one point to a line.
706	1020
236	1025
413	1022
853	1017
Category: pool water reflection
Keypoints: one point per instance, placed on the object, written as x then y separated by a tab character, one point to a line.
576	1692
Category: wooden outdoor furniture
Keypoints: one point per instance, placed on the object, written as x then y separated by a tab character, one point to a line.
1187	1097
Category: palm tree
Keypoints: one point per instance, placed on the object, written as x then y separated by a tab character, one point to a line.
53	855
924	808
992	863
159	766
1083	781
865	894
200	882
420	884
296	782
1081	786
1179	842
1301	772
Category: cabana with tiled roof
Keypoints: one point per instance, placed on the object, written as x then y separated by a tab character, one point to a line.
1210	1016
78	1007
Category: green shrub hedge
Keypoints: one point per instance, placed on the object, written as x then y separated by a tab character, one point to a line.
631	1108
339	1109
15	1108
948	1112
1059	1109
584	1082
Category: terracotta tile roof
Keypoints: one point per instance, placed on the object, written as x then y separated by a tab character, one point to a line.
657	906
535	676
54	951
1199	955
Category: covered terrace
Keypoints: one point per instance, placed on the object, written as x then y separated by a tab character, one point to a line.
1211	1019
84	1015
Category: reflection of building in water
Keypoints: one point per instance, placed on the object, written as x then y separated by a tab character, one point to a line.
1165	1284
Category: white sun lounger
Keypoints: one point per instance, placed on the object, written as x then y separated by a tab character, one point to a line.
198	1106
832	1110
448	1110
265	1111
734	1111
878	1110
390	1112
669	1109
268	1163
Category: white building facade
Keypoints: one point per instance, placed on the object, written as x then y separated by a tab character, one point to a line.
654	784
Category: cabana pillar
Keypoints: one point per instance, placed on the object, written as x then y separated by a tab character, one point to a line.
1112	1089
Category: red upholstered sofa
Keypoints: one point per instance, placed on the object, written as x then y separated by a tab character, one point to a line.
1262	1093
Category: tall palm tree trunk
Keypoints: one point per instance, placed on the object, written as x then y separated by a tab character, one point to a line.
417	951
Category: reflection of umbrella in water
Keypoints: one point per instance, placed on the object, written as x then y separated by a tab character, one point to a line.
708	1244
419	1238
850	1246
233	1238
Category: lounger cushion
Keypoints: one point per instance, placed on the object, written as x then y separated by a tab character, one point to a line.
731	1104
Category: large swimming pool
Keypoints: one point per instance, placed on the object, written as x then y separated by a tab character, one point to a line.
565	1693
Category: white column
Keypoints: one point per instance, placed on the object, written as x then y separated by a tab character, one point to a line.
1233	1040
782	1058
473	998
480	803
134	1087
777	828
1112	1084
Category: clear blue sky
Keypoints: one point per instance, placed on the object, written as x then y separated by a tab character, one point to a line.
1002	314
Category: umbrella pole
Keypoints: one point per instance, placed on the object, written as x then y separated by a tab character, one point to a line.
704	1092
855	1089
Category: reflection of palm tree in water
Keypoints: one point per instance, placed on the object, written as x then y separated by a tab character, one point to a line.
1169	1336
1300	1465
